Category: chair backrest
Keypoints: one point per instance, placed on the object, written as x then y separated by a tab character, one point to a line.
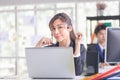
92	60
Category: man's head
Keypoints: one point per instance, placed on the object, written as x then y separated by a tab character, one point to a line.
100	32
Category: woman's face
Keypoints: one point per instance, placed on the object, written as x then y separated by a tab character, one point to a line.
101	36
60	30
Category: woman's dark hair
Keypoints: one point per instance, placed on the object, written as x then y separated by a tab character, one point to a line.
100	27
64	18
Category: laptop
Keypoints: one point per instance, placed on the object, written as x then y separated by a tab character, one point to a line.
50	63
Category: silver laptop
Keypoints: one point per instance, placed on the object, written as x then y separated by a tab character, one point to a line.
50	63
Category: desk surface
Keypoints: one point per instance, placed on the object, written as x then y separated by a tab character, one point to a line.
27	78
82	77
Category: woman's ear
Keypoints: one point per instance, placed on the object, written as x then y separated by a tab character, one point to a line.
70	28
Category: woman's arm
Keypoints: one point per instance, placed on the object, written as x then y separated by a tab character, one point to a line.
78	41
80	61
80	54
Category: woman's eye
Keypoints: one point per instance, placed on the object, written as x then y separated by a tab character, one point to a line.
52	29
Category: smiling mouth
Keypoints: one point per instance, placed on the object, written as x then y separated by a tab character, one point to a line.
57	37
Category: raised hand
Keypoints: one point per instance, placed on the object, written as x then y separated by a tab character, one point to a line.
78	39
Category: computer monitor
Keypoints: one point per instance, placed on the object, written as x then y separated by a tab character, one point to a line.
113	45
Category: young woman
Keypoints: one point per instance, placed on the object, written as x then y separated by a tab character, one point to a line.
62	30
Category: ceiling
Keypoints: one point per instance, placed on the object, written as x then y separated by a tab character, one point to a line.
21	2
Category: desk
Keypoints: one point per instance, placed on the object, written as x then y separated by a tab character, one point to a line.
27	78
106	68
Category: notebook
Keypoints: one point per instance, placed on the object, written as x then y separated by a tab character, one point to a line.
50	63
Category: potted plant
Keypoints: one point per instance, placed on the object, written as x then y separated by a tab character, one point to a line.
100	8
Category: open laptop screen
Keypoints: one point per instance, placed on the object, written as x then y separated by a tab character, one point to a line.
50	62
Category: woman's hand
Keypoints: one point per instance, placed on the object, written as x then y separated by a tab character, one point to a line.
78	39
43	42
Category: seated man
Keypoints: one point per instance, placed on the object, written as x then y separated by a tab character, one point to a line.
98	49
